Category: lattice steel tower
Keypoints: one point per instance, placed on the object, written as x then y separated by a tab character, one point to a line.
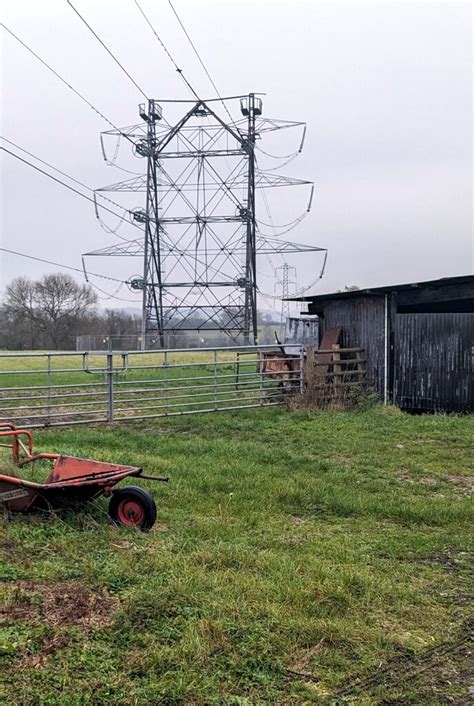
284	284
201	238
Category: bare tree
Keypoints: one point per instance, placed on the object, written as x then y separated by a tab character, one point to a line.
53	306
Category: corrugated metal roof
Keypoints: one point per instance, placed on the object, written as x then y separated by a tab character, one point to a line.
430	284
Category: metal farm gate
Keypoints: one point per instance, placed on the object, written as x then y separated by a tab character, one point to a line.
55	389
433	361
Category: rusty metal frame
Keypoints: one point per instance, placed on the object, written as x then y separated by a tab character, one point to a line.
69	477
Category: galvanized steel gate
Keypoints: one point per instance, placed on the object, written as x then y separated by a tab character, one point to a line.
57	389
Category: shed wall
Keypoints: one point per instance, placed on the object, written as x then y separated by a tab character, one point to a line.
434	361
362	320
302	331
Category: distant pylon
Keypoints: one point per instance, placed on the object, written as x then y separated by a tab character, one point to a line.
284	286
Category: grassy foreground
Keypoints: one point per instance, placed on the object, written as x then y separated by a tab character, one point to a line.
298	558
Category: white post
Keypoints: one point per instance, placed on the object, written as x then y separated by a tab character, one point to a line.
385	363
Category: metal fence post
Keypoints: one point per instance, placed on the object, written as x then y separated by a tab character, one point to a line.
237	371
216	399
165	362
48	421
110	387
301	370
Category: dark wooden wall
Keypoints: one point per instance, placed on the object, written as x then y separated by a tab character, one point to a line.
362	320
433	361
430	362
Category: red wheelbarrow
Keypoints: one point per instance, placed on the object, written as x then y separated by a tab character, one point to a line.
74	479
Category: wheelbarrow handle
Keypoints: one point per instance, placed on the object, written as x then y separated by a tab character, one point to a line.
9	430
7	425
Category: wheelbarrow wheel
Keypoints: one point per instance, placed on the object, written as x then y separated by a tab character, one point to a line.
133	507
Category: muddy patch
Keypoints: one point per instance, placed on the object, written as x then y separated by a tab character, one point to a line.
53	604
463	484
299	538
53	610
452	560
46	649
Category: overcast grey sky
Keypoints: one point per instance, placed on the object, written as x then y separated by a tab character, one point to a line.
385	88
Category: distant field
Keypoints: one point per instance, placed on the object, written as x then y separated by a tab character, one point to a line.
298	558
33	369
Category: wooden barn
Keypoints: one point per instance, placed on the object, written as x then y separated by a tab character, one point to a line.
418	339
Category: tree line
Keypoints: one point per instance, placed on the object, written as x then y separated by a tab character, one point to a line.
49	313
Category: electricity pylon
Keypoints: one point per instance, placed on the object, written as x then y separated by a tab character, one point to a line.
201	234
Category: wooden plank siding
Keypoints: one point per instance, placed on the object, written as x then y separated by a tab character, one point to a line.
422	362
362	320
433	361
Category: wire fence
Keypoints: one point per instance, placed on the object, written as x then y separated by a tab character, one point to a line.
56	389
207	338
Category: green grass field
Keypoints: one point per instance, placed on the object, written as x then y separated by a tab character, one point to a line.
298	558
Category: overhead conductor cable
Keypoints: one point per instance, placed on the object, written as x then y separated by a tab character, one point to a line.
179	71
201	62
58	264
63	80
107	50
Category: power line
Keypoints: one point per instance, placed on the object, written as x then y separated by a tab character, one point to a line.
58	264
118	63
269	303
201	61
68	176
302	290
292	154
108	50
59	181
84	196
30	154
151	156
63	80
104	226
314	282
113	295
168	54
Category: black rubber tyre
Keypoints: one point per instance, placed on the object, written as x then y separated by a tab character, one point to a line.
133	507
